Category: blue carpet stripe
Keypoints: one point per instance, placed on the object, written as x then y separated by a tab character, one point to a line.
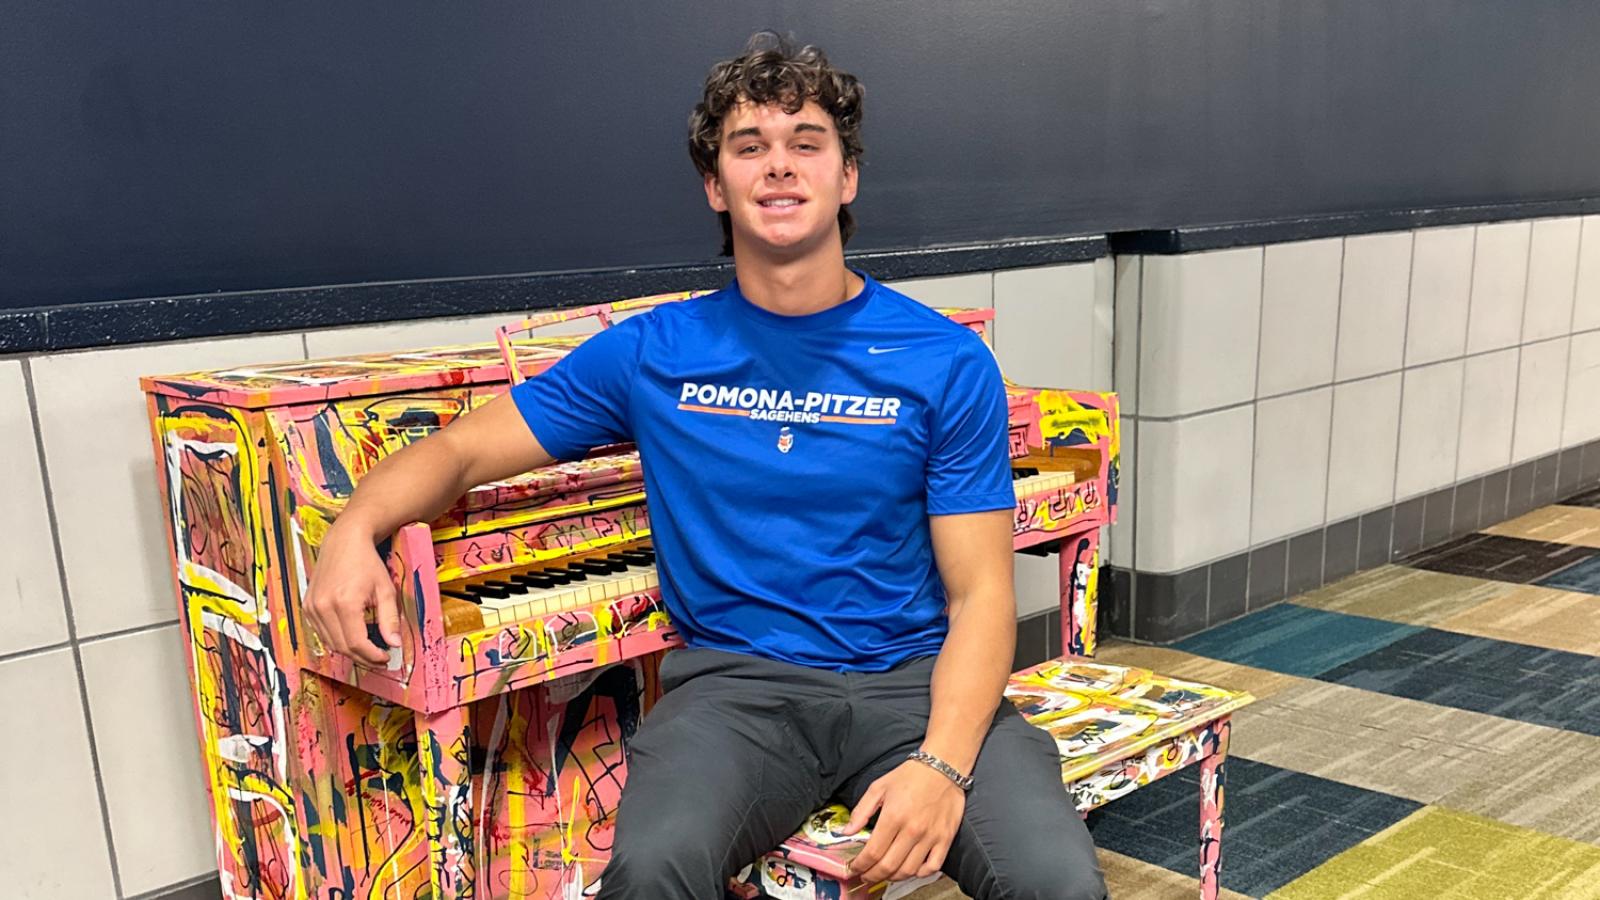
1296	640
1279	824
1500	678
1584	576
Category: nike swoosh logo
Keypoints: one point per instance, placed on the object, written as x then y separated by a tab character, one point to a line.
885	349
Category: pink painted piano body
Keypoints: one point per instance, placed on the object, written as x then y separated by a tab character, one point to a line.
486	758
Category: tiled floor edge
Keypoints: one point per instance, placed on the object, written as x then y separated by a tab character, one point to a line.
1176	605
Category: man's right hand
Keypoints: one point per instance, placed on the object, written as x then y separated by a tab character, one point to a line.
415	484
349	579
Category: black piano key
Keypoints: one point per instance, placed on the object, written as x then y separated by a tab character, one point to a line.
484	590
533	580
571	574
636	557
505	586
459	595
559	576
591	566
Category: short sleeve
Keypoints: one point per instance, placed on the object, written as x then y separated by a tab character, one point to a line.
969	466
582	402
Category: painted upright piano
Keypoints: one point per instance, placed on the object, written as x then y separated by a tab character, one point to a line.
485	759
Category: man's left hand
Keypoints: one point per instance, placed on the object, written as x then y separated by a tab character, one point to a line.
919	811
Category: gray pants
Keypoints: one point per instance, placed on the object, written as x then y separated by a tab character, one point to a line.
741	750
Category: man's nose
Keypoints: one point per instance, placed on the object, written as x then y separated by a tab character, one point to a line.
778	164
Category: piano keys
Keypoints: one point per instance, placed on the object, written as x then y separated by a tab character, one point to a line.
486	757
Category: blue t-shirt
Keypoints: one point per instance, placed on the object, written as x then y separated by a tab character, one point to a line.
791	462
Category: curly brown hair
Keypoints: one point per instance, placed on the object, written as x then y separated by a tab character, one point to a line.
772	70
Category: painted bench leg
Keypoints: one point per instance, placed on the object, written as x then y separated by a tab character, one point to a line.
444	742
1213	777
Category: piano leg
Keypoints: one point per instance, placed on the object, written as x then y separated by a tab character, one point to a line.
1079	578
444	742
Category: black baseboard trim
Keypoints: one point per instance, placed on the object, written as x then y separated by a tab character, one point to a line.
1195	238
1160	608
155	319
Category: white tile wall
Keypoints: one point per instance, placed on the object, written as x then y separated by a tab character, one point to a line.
102	471
1541	392
1441	282
144	727
1299	315
1488	410
1552	276
31	612
1125	334
1048	331
1499	284
1586	315
1366	431
1105	289
50	822
1194	489
1119	544
1199	331
1291	464
1372	304
974	290
1037	583
1583	391
1430	417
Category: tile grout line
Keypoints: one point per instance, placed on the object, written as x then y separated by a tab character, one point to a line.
1255	424
1133	497
128	632
1566	386
72	626
1399	423
15	655
1327	460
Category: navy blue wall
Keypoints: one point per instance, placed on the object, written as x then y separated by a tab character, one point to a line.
184	147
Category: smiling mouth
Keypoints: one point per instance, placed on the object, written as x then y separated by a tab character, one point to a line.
782	203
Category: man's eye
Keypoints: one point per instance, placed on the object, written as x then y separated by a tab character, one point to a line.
746	148
808	146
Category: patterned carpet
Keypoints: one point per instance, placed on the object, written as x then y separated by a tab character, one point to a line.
1425	729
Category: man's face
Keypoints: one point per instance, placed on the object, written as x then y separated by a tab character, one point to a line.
781	177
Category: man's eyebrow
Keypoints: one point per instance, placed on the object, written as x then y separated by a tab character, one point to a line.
753	131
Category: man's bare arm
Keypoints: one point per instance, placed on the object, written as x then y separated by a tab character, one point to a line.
415	484
973	553
919	809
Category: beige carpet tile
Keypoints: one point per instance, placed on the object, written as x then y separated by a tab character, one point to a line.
1402	594
1529	614
1515	772
1178	664
1558	524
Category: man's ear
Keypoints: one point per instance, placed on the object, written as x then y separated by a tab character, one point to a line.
851	174
714	196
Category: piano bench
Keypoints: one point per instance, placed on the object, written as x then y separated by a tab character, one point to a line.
1118	728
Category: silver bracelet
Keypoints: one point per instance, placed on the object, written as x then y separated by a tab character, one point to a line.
943	768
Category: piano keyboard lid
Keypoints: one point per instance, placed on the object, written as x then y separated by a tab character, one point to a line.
307	381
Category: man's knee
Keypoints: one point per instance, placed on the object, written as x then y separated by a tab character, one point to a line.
1054	880
660	863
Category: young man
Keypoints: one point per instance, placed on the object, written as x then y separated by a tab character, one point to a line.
830	504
